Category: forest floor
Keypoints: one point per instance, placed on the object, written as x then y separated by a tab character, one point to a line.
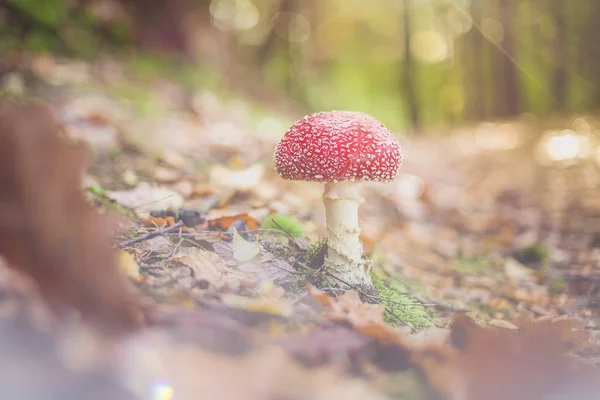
494	221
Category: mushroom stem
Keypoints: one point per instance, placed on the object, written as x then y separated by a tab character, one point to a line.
344	254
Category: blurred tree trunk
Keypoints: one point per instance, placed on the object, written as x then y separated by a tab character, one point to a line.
590	50
506	74
474	68
266	49
559	76
278	43
408	69
159	24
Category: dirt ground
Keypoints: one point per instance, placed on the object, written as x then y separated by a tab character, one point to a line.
498	221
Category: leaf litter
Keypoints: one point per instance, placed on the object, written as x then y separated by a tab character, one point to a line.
225	306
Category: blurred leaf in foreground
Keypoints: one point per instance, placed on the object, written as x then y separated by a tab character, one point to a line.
47	228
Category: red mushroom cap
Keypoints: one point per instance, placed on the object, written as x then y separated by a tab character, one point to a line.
338	146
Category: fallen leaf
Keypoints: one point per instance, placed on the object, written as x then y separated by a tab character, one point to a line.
223	223
128	265
350	308
173	159
159	222
190	217
166	175
390	348
158	245
495	363
208	268
145	197
569	331
102	138
266	305
319	296
516	271
500	323
47	228
264	267
242	249
236	179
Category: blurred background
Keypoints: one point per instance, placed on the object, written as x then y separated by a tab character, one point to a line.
410	63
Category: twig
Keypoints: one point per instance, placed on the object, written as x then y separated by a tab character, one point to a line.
153	234
288	234
333	289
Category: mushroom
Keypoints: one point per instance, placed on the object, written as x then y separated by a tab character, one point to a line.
340	148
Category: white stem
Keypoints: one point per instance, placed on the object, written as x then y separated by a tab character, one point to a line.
344	255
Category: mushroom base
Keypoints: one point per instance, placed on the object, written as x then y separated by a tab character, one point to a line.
344	250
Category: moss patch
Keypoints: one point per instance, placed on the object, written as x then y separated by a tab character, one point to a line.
315	254
536	256
468	266
556	286
400	307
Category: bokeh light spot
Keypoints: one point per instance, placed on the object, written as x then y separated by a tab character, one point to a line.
231	15
293	27
429	46
566	145
163	391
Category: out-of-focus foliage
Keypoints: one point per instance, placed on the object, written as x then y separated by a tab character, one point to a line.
407	62
413	62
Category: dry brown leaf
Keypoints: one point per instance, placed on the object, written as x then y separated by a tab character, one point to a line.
48	230
146	198
390	349
319	296
569	331
494	363
264	267
159	222
265	305
209	269
167	175
223	223
350	308
516	271
128	265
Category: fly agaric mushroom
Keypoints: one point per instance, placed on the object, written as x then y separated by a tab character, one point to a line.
340	148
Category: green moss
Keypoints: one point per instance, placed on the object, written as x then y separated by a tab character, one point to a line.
49	12
286	223
556	285
468	266
315	254
535	256
39	42
142	100
150	66
400	308
100	198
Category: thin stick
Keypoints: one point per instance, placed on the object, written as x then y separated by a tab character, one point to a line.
153	234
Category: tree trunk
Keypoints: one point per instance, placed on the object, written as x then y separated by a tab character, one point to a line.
559	76
408	78
591	51
474	67
507	77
